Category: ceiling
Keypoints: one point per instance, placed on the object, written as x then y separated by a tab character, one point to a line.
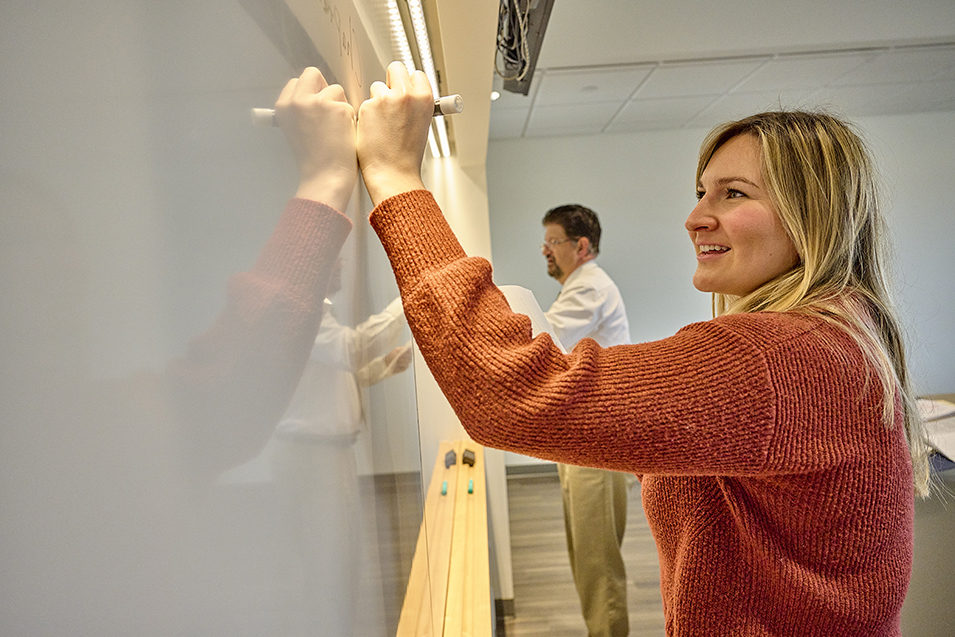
614	66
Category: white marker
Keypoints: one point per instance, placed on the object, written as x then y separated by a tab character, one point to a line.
447	105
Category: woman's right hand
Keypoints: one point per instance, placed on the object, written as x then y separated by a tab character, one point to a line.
393	127
319	124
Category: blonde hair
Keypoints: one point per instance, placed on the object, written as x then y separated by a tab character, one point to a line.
823	185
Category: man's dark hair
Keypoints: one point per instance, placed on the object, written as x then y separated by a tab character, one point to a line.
577	221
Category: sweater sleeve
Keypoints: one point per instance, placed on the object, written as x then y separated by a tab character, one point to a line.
235	380
700	401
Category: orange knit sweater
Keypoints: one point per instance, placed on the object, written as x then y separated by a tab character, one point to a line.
780	502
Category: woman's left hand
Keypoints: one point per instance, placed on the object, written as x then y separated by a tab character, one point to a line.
319	125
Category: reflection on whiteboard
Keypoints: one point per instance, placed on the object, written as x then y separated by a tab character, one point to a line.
123	395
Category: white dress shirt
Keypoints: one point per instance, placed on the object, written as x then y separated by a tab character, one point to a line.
589	306
327	402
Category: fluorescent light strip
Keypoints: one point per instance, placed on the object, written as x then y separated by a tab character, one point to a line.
424	50
443	136
433	144
424	44
400	42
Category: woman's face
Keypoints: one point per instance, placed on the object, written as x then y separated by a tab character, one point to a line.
740	242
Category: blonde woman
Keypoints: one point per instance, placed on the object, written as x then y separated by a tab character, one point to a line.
777	447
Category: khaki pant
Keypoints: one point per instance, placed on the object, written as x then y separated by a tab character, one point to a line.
595	517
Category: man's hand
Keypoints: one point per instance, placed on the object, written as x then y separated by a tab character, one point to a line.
400	358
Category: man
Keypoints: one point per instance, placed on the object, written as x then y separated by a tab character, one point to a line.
595	500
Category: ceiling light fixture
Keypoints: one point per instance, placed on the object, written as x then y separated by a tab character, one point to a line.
427	63
401	44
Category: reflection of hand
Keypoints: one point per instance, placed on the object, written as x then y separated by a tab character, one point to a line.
399	358
319	125
393	130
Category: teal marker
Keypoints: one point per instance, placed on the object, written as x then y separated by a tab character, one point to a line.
470	486
444	488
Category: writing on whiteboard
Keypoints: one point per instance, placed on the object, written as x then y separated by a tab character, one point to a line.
347	39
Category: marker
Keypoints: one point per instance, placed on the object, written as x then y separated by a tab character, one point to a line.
447	105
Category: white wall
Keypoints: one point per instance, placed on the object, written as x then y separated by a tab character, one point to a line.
463	38
464	203
917	158
641	185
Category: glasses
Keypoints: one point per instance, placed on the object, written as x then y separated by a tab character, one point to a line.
552	243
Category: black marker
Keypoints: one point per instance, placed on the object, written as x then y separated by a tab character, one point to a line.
447	105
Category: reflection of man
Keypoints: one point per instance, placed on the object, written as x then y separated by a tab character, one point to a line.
327	404
595	500
313	464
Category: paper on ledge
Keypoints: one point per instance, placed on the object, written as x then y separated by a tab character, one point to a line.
935	409
939	416
941	435
522	301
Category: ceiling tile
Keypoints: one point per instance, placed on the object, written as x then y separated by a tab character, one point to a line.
802	71
639	126
933	92
568	130
941	95
672	111
579	117
847	100
852	83
680	79
902	65
586	85
738	105
947	74
506	123
515	100
911	98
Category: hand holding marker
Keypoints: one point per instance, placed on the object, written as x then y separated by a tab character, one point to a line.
447	105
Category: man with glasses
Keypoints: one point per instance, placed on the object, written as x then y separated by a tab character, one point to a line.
595	500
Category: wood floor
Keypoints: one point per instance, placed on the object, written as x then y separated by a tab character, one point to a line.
545	601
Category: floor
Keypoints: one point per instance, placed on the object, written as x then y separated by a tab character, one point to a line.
545	601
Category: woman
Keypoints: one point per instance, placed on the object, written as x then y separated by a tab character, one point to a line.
777	444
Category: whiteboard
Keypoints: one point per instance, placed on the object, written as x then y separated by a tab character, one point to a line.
132	189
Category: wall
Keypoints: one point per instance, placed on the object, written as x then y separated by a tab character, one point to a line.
916	154
463	36
642	187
